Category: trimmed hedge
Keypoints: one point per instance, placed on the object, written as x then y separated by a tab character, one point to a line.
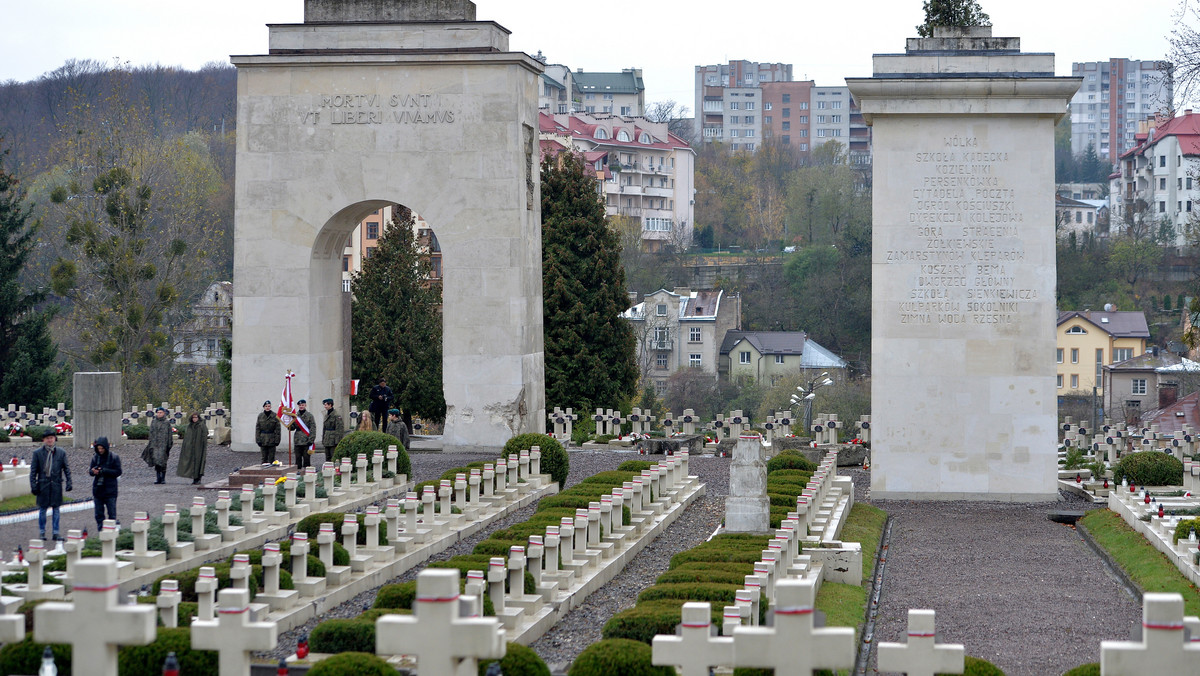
368	442
617	657
134	432
358	663
25	657
342	636
1184	528
1149	468
148	660
518	661
790	459
1092	669
975	666
555	461
635	466
311	525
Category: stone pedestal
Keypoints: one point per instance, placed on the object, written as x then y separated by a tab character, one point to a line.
96	408
963	267
330	123
747	509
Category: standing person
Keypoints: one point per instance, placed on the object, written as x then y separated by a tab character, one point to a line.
399	429
195	449
381	400
304	441
46	474
266	433
331	430
158	449
105	468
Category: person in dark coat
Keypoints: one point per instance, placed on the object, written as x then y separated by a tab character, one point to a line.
381	400
46	474
195	449
105	468
267	433
158	448
304	442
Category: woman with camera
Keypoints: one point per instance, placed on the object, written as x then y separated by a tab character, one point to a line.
105	468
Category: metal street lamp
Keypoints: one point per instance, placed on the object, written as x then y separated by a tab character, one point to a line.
810	394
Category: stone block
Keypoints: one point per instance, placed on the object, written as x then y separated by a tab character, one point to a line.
97	408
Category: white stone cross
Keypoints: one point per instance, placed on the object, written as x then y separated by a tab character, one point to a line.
696	650
232	634
1162	649
922	656
794	645
93	623
443	642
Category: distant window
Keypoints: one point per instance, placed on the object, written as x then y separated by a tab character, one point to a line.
787	98
1058	355
1074	381
660	360
744	357
372	231
601	133
1162	160
345	264
694	334
662	310
1139	386
694	359
1121	354
623	136
645	139
1060	381
778	359
1074	355
1076	331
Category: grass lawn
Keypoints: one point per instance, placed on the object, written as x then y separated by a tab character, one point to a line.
20	503
1146	566
845	605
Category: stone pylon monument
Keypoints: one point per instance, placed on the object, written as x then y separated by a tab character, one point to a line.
368	103
963	270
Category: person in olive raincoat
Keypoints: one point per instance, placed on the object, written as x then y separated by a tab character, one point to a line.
195	449
158	449
267	431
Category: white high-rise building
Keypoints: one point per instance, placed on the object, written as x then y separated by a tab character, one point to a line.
1116	95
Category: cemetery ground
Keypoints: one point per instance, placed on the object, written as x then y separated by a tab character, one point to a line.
1015	588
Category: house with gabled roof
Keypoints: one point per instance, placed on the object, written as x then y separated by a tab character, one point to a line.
681	329
1088	341
1158	174
770	356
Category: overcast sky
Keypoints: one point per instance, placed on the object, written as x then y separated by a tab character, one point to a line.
826	42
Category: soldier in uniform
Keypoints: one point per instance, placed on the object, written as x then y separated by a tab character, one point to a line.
332	429
304	442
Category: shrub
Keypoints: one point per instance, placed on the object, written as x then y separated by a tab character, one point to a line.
790	459
554	457
36	432
148	660
1149	468
184	612
25	657
694	575
3	437
1092	669
367	442
518	661
715	593
136	432
359	663
617	657
343	635
646	620
1186	526
976	667
634	466
396	595
609	478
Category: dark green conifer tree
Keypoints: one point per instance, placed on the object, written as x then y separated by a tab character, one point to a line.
397	321
590	350
28	375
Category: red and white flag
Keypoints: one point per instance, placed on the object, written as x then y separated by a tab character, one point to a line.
353	387
287	409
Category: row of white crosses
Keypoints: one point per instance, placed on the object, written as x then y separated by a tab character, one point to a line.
730	427
684	424
47	417
608	422
1163	512
562	422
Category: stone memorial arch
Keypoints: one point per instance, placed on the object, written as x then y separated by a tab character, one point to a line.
368	103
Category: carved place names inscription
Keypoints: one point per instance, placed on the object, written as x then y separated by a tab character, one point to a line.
378	109
962	239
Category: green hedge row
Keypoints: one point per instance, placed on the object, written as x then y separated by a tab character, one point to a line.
25	657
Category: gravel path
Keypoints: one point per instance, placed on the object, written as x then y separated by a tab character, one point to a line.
1015	588
582	626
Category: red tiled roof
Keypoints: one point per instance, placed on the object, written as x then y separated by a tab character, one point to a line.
1168	420
1185	128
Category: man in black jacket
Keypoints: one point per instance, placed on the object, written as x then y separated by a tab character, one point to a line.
105	468
46	474
381	400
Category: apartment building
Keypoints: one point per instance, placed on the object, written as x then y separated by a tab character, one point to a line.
564	91
830	112
1116	94
364	240
729	101
645	172
1158	176
785	114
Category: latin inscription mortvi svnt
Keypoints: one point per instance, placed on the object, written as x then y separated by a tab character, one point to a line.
378	109
962	244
